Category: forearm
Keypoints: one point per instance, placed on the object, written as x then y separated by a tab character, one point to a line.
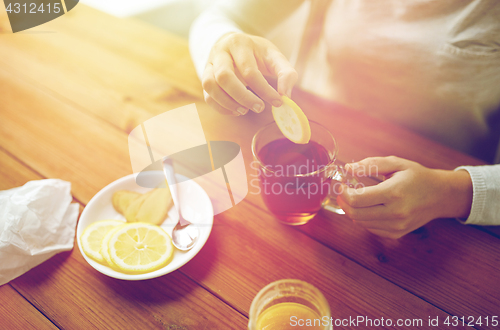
454	193
205	31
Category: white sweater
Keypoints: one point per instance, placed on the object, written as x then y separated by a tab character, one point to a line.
432	66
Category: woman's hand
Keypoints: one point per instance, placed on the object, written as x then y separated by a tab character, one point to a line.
238	60
409	197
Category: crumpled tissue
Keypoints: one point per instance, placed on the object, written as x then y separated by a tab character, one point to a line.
37	221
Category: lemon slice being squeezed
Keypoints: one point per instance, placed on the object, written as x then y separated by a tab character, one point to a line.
292	121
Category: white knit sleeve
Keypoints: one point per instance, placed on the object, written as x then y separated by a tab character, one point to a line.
486	195
209	27
251	16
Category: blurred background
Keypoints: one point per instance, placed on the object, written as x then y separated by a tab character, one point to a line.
172	15
176	16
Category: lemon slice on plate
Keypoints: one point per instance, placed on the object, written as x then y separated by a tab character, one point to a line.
92	237
292	121
140	248
105	245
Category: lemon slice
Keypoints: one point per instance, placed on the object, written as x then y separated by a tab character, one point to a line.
92	237
140	248
292	122
105	245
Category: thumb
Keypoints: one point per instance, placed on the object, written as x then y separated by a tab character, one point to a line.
284	71
375	166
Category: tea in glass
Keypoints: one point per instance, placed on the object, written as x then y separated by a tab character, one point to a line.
291	181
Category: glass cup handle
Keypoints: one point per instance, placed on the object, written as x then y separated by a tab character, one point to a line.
339	176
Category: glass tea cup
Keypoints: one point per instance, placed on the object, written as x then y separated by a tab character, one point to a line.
289	304
297	180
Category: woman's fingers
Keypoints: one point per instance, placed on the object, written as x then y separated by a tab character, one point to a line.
225	79
278	65
239	60
217	98
244	53
387	234
375	166
378	219
370	213
216	106
222	98
366	196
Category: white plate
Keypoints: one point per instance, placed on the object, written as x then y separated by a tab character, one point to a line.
195	202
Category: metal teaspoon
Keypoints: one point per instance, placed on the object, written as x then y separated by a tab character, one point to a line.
184	234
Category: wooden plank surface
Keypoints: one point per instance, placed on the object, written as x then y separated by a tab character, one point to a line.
113	75
17	313
53	118
66	288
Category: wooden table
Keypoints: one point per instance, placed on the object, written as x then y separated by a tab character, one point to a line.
71	91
